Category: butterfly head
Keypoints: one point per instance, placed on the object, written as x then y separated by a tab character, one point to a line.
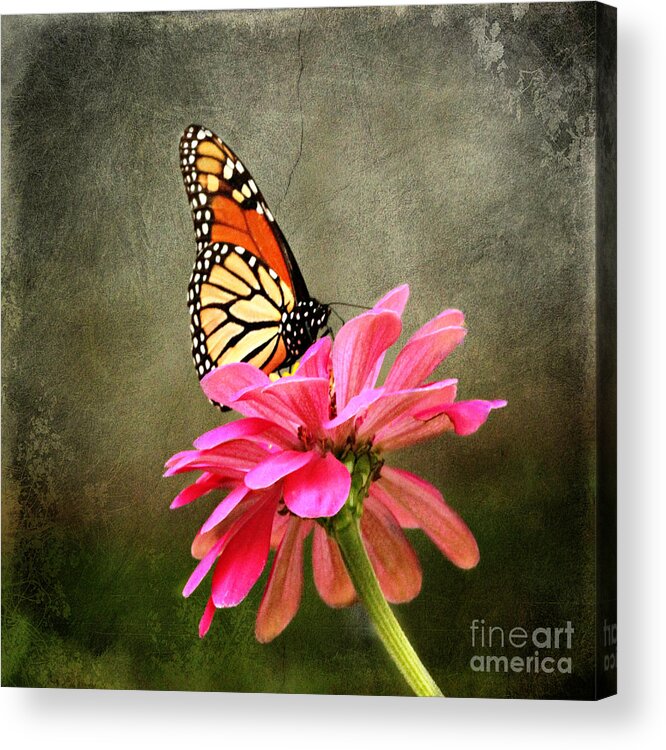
302	326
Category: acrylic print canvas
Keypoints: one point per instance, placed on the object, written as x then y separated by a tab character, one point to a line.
308	351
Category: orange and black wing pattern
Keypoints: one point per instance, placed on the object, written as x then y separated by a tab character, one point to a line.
247	298
227	206
238	310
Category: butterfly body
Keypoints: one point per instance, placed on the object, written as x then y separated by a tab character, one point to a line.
247	298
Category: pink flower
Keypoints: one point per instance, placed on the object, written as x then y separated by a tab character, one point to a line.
286	465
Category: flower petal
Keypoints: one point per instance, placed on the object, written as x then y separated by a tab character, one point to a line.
394	406
339	428
440	522
276	467
421	355
204	484
244	554
290	401
230	459
329	572
393	559
354	406
279	527
176	458
224	384
395	300
407	431
399	512
445	319
466	416
202	543
283	591
205	564
248	427
316	361
358	352
318	489
301	401
207	617
225	507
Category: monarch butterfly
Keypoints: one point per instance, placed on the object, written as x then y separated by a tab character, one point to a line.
247	298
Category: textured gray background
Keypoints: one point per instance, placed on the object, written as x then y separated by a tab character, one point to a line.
452	148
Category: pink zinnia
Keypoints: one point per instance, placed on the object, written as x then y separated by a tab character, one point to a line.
286	465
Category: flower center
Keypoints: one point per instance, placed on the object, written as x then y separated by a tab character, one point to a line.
311	442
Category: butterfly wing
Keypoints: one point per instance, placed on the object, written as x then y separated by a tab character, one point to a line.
238	306
247	298
227	206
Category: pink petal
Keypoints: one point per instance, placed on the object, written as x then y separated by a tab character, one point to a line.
392	557
421	355
358	352
289	402
299	400
207	618
276	467
399	512
319	489
204	484
394	406
285	583
201	571
467	416
225	507
340	428
426	504
316	361
443	320
203	543
226	383
177	458
354	406
407	431
329	572
279	527
212	464
395	300
232	458
248	427
244	555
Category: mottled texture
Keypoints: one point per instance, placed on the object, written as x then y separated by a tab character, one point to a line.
449	147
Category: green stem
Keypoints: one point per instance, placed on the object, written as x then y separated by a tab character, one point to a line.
348	535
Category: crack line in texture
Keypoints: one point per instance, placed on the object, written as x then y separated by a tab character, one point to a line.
300	106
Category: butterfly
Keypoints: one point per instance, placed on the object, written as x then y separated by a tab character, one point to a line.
247	298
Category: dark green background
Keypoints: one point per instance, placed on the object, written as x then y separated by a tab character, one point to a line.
452	148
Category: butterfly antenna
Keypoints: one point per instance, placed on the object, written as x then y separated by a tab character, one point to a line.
349	304
337	315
